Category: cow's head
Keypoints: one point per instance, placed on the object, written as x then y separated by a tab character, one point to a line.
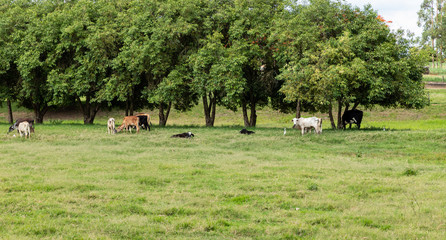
295	120
190	134
12	128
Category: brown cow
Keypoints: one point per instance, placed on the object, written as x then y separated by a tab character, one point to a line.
128	122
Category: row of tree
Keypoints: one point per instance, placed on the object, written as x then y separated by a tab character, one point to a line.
431	17
318	55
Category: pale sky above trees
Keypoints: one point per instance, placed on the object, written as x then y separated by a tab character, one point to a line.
402	13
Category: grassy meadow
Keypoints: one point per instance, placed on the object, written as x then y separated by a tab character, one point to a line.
71	181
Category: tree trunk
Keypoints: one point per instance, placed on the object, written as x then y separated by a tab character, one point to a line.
298	109
340	125
39	112
164	116
355	105
127	107
432	37
214	108
245	114
330	115
209	109
253	114
93	111
252	119
131	106
88	110
10	117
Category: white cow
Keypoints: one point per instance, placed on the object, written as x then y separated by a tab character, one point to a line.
305	124
24	129
111	126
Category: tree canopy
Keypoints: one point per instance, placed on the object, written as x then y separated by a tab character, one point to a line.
171	54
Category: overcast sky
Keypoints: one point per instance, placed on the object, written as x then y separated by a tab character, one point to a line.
403	13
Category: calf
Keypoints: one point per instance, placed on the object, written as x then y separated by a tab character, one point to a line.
111	126
244	131
305	124
352	116
128	122
18	121
183	135
24	129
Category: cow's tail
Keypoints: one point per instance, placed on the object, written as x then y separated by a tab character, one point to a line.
148	121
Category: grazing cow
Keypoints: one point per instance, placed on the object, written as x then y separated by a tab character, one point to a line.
244	131
183	135
305	124
352	116
24	129
18	121
128	122
144	121
111	126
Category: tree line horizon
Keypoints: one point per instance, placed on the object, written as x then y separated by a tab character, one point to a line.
317	56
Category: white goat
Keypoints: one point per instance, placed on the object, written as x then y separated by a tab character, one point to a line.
111	126
24	128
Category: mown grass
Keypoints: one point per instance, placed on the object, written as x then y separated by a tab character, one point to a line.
75	181
71	181
434	78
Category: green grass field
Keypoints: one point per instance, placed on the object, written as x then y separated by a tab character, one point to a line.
71	181
434	78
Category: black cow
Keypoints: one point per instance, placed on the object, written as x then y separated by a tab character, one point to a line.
352	116
244	131
184	135
18	121
144	121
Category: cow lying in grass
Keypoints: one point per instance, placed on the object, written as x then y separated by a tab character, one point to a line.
183	135
111	126
24	129
128	123
306	124
244	131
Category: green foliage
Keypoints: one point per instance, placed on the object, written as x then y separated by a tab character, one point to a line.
354	59
159	54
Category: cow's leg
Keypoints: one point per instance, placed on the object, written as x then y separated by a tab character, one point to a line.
303	130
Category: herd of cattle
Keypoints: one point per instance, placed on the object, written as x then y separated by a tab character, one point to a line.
25	126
